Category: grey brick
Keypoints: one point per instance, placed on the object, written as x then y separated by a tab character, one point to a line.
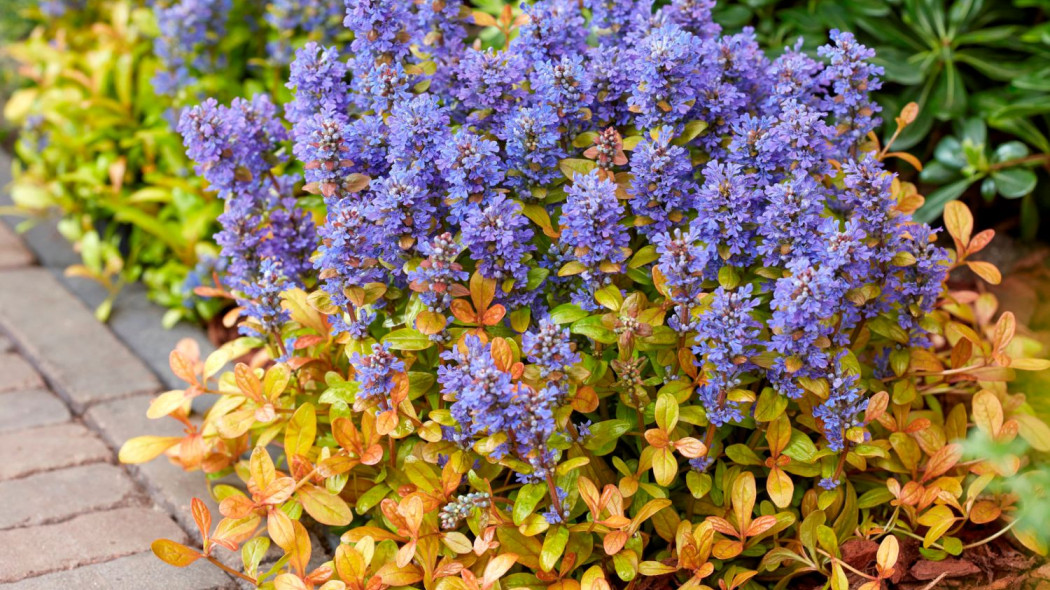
29	408
83	361
86	539
12	252
142	571
167	484
49	447
16	373
56	495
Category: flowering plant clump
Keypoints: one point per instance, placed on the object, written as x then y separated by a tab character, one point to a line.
617	302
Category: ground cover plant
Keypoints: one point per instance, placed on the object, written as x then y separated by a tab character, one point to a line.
600	298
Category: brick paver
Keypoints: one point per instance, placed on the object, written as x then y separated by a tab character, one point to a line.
170	486
71	392
82	540
139	572
29	408
81	359
53	496
16	373
12	253
50	447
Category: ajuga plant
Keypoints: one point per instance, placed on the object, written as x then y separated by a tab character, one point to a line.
616	302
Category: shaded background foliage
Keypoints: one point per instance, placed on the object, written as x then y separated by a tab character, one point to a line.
978	70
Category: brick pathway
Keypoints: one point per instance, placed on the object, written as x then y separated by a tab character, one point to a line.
70	394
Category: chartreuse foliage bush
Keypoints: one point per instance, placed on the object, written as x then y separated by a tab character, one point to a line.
615	301
103	82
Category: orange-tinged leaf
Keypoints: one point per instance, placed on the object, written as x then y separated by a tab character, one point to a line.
915	162
173	553
236	506
985	270
780	487
987	412
234	531
248	382
291	537
726	549
942	461
1005	329
288	582
496	567
690	447
502	354
166	403
614	541
984	512
778	435
886	557
743	496
430	322
761	525
482	291
876	406
978	242
722	525
493	315
959	222
393	575
463	311
386	422
146	448
372	455
261	468
201	515
324	506
586	400
182	366
278	491
301	431
484	19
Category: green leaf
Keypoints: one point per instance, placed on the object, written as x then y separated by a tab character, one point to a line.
605	432
525	503
1014	183
936	200
567	313
592	328
324	507
949	152
1010	150
801	448
301	431
252	554
553	547
408	339
937	172
743	455
692	130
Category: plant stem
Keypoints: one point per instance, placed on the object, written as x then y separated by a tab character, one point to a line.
231	571
1044	158
991	538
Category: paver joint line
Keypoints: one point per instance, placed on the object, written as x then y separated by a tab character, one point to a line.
73	517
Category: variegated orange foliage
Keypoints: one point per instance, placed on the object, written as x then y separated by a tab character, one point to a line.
416	510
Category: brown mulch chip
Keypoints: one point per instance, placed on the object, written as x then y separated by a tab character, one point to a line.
950	568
